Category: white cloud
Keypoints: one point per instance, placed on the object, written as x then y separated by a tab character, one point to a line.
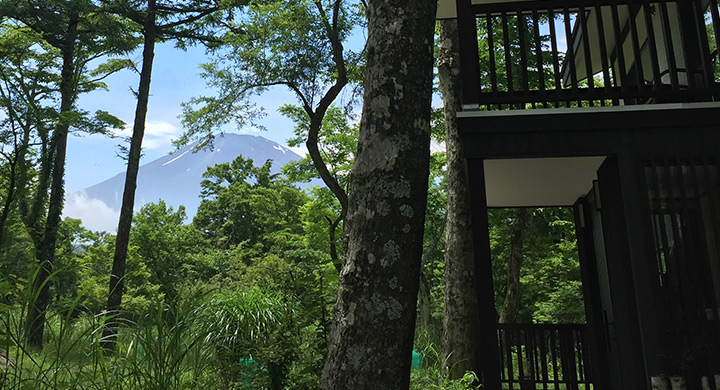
94	213
158	134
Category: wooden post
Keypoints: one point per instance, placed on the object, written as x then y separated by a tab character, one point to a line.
623	273
591	292
488	346
469	56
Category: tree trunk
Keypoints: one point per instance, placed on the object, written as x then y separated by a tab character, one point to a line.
462	312
46	253
332	228
18	168
10	196
508	313
370	344
117	276
424	296
32	213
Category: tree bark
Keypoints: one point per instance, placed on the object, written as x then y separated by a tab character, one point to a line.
424	296
462	311
511	303
332	228
117	276
370	344
10	196
32	213
46	253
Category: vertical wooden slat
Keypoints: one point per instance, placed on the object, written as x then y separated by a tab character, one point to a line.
554	356
681	257
519	352
713	327
704	45
522	44
619	52
712	358
508	57
583	20
588	361
508	351
501	355
603	52
491	56
557	76
659	213
538	52
709	334
543	359
704	271
470	59
692	270
530	352
578	356
650	29
692	84
639	72
669	45
716	28
714	215
570	56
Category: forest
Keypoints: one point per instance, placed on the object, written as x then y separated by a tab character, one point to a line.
243	295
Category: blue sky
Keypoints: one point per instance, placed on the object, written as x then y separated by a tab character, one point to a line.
92	158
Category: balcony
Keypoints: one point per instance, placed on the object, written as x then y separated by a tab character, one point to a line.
588	53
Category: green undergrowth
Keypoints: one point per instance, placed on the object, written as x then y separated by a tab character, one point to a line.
429	375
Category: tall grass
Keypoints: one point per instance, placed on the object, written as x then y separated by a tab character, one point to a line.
429	376
164	348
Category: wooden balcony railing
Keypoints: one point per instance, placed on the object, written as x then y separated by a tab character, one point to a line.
571	53
544	356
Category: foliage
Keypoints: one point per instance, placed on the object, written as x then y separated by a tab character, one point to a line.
255	326
337	141
166	246
550	281
428	376
243	204
163	350
272	43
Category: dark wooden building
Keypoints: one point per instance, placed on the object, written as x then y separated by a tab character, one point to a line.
611	107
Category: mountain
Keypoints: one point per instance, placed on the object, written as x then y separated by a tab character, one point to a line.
174	178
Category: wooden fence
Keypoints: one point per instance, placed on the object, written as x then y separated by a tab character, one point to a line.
544	356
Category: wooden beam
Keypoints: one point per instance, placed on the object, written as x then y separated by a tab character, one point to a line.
488	345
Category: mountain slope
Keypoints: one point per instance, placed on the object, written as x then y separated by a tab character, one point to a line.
176	178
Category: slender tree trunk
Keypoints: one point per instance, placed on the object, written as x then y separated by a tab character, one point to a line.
17	180
424	297
332	228
462	313
9	198
15	162
370	345
508	313
117	276
46	253
33	212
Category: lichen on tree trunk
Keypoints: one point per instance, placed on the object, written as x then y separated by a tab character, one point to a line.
370	344
462	313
